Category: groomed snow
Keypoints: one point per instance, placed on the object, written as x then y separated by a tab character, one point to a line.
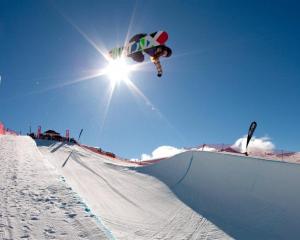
247	198
130	204
193	195
34	202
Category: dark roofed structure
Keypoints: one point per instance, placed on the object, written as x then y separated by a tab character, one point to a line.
51	132
52	135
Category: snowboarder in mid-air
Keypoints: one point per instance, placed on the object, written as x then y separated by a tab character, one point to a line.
152	44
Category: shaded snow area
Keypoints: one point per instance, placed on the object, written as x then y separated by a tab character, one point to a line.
34	201
245	197
130	204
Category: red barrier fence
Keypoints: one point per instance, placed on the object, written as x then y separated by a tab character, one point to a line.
278	155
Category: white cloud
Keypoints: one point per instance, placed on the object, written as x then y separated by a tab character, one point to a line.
162	152
256	145
205	148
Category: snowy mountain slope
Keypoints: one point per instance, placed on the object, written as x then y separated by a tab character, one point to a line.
34	202
130	204
245	197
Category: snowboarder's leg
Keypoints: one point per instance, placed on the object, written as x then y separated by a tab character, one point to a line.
158	66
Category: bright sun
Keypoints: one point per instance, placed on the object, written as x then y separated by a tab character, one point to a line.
118	70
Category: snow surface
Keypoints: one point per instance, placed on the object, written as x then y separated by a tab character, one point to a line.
130	204
245	197
193	195
34	202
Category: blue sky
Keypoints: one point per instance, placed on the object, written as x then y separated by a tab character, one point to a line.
233	62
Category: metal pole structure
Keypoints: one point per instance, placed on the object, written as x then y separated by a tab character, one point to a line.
71	151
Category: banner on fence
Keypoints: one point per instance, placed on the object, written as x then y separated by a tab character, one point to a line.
39	132
2	129
68	134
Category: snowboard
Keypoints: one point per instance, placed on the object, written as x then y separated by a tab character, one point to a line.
147	42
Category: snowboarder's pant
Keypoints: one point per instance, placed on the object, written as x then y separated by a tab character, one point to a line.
158	66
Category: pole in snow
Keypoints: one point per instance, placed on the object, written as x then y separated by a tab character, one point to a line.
71	151
80	134
250	134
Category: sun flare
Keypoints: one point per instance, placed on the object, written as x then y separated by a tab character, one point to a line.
118	70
